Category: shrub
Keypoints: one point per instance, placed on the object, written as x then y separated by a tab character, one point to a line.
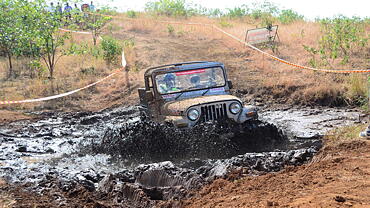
341	37
128	43
170	29
357	90
108	10
168	7
237	12
224	23
111	49
131	14
288	16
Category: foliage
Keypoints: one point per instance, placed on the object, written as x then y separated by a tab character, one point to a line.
212	12
237	12
131	14
26	29
108	10
170	29
174	8
128	43
15	33
341	37
50	40
288	16
111	49
95	24
357	90
264	12
265	8
38	68
224	23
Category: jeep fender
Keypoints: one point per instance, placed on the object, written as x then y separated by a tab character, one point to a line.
248	113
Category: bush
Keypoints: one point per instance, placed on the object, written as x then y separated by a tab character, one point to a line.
131	14
128	43
174	8
357	90
341	37
108	10
111	50
224	23
170	29
288	16
237	12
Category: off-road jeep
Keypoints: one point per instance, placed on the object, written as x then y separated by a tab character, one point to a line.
190	93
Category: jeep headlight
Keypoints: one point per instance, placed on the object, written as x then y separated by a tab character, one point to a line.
193	114
235	108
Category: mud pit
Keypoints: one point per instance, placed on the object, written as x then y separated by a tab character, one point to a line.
115	158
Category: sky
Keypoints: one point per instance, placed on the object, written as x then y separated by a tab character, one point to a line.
309	8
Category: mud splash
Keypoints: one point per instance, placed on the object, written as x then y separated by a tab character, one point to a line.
148	141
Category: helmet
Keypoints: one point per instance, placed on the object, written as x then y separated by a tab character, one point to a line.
169	77
195	79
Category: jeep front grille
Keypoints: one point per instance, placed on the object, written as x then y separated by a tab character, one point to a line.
213	112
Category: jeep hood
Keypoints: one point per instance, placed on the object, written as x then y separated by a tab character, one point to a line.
179	107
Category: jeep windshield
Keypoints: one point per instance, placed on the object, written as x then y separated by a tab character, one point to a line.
195	79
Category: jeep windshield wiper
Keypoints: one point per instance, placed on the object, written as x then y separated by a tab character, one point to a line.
206	91
179	95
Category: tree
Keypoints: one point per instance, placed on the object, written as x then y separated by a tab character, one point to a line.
11	31
112	49
95	24
50	40
26	29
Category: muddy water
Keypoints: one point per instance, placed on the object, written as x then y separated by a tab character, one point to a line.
136	161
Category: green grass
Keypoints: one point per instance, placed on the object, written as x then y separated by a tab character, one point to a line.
344	134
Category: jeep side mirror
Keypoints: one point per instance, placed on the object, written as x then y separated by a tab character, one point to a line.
230	84
145	96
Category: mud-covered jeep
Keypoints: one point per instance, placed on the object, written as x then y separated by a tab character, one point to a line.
190	93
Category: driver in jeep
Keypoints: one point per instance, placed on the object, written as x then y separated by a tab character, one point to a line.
168	85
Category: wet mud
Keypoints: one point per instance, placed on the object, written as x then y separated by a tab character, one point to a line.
148	141
115	158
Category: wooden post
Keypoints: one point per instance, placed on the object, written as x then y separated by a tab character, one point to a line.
127	79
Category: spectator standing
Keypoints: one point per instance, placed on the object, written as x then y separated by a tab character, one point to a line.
51	8
59	8
76	15
92	7
67	8
76	9
67	11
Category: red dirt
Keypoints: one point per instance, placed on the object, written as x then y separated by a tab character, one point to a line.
9	116
339	176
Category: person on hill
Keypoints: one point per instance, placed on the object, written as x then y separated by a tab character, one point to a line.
76	9
59	9
51	8
67	8
85	7
92	7
76	15
67	11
